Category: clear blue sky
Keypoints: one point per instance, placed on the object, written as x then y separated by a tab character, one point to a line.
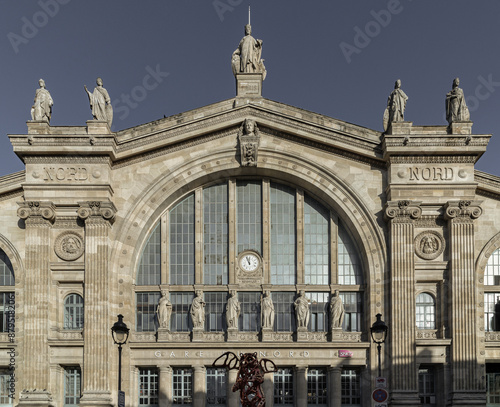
338	58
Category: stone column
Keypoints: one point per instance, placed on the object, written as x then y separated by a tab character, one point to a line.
38	218
98	217
466	386
233	398
404	379
301	377
165	386
199	386
335	386
268	389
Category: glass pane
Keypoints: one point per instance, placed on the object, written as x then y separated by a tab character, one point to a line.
146	319
316	244
249	216
182	242
348	261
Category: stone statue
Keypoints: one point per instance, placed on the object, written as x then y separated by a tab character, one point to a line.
100	103
246	58
336	310
396	104
249	138
42	106
233	310
164	310
302	310
267	310
198	310
456	109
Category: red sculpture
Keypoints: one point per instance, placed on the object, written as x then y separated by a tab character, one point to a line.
250	376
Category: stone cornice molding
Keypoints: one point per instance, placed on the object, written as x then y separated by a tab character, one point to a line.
403	211
97	209
37	210
465	210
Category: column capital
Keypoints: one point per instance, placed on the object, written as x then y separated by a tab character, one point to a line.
466	210
403	211
37	209
99	209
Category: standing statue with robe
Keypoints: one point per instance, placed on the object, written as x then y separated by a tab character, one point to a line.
233	310
246	58
302	310
337	310
267	310
396	104
100	103
456	108
42	106
164	310
198	310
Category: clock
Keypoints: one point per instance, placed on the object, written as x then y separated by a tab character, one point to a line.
249	261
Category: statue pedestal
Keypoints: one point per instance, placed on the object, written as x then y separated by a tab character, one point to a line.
249	85
38	127
400	128
464	128
267	334
232	334
302	334
98	127
36	398
336	334
164	335
198	334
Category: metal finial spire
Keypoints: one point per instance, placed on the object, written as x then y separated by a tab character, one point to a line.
248	15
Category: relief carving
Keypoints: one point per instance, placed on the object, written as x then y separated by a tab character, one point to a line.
69	246
249	139
429	245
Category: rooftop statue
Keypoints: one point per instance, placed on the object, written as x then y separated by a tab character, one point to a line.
246	58
396	104
42	106
456	109
100	103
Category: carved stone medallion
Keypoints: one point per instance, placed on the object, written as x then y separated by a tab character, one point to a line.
69	246
429	245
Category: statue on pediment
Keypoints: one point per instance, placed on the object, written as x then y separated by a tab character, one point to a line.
42	106
337	310
198	310
302	310
164	310
267	310
247	57
456	108
396	104
100	103
233	309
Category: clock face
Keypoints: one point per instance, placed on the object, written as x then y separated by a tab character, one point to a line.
249	262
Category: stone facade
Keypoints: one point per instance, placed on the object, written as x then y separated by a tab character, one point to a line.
421	218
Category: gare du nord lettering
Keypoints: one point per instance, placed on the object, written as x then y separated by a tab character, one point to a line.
431	173
65	174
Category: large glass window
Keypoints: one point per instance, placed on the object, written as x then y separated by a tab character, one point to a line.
316	387
6	299
348	261
72	386
146	319
318	321
426	387
316	243
426	311
250	311
6	270
149	266
148	387
5	390
182	242
216	386
351	387
214	312
249	216
181	302
73	312
492	311
283	387
282	235
492	272
493	384
284	320
353	307
182	381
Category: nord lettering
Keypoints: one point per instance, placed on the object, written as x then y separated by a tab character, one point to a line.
431	174
65	174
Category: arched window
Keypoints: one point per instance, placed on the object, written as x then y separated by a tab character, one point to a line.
296	238
492	293
73	312
426	311
7	295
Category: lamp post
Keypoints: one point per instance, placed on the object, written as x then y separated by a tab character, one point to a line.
379	334
120	331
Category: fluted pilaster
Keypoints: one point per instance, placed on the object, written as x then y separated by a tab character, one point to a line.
404	383
38	218
98	217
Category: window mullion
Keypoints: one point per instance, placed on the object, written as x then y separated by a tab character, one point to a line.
300	237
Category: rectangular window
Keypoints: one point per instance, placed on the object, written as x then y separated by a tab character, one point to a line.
250	311
318	321
353	311
316	387
351	387
149	267
181	302
72	386
490	323
5	312
215	235
148	387
493	384
316	243
182	382
282	234
5	400
284	320
146	320
182	242
6	270
214	311
283	388
426	387
249	216
216	386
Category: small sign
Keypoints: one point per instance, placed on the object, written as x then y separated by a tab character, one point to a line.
381	382
343	353
121	399
380	405
380	395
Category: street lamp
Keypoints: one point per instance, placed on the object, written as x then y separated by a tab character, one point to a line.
379	334
120	331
